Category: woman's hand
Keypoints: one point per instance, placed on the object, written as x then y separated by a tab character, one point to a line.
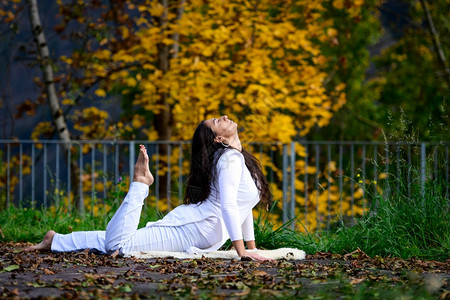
240	249
255	256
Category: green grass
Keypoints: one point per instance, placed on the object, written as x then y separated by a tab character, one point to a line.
400	225
403	226
269	238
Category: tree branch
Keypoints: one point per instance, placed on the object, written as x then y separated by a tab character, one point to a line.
362	119
436	41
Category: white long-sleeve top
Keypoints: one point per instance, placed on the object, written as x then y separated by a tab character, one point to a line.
227	212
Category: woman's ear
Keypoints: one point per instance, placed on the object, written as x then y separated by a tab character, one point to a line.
218	139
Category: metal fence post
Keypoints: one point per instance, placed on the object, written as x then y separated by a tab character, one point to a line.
44	176
169	174
446	171
329	186
116	168
105	169
363	179
21	175
58	196
92	177
33	179
285	183
180	173
423	164
352	177
317	149
132	158
375	176
292	208
156	189
341	176
81	200
306	185
69	177
387	189
8	174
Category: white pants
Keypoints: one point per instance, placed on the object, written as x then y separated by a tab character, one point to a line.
122	233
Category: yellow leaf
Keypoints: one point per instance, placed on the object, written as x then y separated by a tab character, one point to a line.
168	41
136	123
66	60
125	32
100	93
156	9
131	82
68	102
339	4
332	32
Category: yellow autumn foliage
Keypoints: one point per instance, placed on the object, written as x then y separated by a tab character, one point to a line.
255	66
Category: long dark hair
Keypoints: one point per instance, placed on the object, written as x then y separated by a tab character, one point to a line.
205	154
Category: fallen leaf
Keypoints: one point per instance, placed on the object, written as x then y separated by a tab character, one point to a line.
126	289
48	272
244	292
357	280
259	273
358	253
11	268
115	254
14	292
321	255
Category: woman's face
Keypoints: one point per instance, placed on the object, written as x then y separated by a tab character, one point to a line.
222	126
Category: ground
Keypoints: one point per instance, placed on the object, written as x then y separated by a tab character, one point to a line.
319	276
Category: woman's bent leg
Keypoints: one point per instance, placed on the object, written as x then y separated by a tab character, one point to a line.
165	238
125	221
79	240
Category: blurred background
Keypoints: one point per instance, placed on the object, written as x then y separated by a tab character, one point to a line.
359	75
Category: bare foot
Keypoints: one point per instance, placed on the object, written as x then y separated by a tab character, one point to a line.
45	244
141	170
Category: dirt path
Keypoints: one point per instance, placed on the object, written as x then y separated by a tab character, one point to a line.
324	275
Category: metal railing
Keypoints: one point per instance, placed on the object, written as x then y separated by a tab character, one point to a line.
318	180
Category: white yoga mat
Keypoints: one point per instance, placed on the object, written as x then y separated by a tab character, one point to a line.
286	253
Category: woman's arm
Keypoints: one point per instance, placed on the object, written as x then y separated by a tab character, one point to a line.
248	231
249	237
251	245
230	173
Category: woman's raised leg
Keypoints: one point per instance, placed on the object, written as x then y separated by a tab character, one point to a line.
125	221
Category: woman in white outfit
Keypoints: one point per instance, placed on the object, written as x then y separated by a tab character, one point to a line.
224	184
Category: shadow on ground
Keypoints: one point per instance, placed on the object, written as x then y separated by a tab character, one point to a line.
322	275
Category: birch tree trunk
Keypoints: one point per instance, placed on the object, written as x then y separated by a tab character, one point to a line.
52	97
47	72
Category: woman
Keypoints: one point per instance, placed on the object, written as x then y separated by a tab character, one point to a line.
225	182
